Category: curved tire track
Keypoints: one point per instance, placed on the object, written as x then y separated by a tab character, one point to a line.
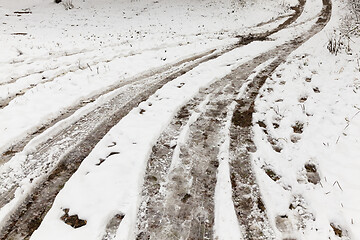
29	214
252	209
178	202
154	73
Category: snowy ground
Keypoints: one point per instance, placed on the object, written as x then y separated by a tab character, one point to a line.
305	127
306	130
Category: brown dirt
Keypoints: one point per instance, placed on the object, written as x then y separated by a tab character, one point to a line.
190	186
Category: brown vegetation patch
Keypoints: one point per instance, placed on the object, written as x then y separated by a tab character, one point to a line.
337	230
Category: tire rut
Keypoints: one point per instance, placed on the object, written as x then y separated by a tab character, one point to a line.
62	71
178	198
7	154
19	146
76	141
29	214
247	199
187	174
56	168
178	202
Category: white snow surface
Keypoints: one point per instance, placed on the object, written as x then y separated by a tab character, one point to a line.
99	43
320	92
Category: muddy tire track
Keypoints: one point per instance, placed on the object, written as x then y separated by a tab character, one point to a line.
59	71
186	173
158	73
28	216
77	141
248	203
178	202
7	154
55	168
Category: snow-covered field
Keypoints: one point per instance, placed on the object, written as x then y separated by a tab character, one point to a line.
306	125
306	129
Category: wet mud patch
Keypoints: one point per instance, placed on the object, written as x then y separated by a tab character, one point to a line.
72	220
243	118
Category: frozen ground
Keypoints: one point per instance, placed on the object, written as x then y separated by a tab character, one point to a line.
57	66
306	130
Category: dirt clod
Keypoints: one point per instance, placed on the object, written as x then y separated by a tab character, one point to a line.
261	124
73	220
272	174
298	127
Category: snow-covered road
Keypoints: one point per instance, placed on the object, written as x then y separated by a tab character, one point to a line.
161	147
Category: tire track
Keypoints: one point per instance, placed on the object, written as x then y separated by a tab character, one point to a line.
178	198
177	202
127	97
55	57
247	199
73	67
53	168
30	211
84	136
10	151
154	73
62	71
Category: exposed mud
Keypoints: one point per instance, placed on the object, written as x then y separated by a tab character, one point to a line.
80	146
178	198
84	137
178	202
253	219
162	72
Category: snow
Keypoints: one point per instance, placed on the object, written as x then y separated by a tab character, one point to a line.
226	223
318	90
69	56
135	135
